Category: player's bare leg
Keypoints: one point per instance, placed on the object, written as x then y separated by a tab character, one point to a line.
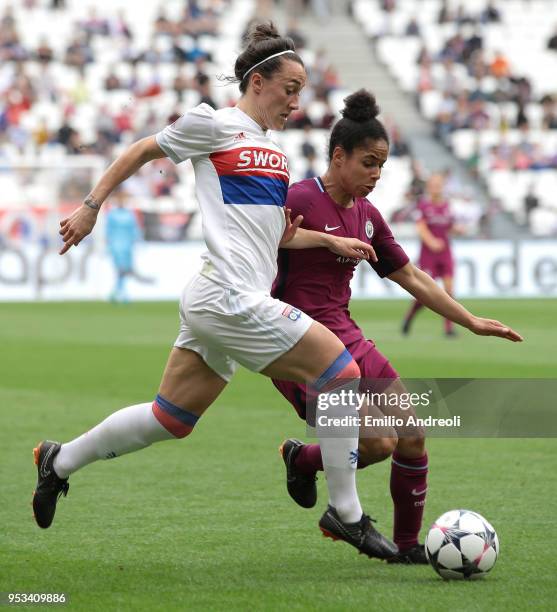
187	389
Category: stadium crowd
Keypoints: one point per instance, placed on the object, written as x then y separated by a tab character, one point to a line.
478	71
108	79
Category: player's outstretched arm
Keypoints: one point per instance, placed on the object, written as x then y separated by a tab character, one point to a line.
427	291
81	222
295	237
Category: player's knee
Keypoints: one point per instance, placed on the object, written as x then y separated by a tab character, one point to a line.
413	447
342	368
352	370
374	450
177	421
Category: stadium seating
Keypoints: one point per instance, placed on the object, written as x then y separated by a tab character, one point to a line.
515	121
143	93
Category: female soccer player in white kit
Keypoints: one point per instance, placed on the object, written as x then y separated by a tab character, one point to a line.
226	313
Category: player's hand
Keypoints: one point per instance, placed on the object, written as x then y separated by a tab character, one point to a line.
437	245
352	247
490	327
78	225
291	227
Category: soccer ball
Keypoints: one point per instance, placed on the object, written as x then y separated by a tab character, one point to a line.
461	544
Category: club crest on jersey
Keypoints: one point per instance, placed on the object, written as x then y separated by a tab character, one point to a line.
292	313
369	228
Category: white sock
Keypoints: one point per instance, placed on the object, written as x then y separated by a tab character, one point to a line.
340	457
125	431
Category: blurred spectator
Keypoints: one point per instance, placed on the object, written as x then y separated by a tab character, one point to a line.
118	26
311	170
412	28
500	66
95	25
7	20
388	6
398	147
445	15
79	52
531	202
417	183
11	48
112	82
180	85
44	52
294	32
163	25
490	14
306	148
462	17
552	42
204	88
549	113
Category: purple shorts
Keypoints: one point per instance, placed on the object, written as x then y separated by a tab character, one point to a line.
437	265
372	363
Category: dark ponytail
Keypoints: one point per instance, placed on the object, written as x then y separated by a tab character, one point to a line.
262	41
359	123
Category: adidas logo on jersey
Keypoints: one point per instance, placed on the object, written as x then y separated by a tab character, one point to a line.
240	136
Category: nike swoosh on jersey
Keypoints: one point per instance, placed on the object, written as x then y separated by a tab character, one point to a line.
417	493
330	229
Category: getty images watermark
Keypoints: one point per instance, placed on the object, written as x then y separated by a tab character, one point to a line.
363	401
456	407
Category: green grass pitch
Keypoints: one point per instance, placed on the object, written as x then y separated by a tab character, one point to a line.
205	523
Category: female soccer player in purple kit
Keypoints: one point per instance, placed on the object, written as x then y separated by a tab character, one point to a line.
435	225
319	283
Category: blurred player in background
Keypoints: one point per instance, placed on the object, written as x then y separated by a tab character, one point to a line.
318	282
122	233
434	225
226	313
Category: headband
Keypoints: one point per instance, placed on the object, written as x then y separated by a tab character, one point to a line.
266	59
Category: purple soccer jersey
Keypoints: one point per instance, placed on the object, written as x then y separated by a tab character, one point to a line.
318	281
439	222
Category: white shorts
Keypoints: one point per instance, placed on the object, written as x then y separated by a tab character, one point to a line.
226	327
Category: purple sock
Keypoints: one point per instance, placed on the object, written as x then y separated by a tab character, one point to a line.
408	490
309	459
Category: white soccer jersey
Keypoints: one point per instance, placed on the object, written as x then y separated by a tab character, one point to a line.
241	184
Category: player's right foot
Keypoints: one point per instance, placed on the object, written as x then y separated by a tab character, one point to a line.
412	556
301	487
405	327
49	486
362	535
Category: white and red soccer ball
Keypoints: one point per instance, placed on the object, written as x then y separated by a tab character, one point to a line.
461	544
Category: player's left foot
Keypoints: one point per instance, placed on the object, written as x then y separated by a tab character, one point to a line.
301	487
411	556
49	486
405	327
451	333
